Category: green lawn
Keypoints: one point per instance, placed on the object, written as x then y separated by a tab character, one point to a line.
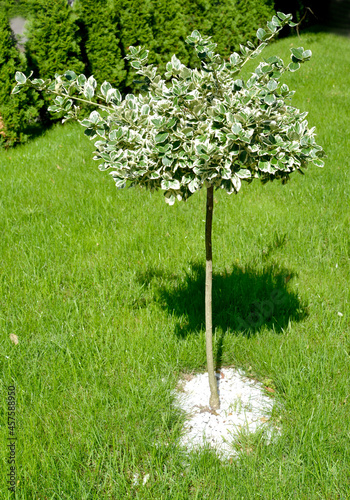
105	290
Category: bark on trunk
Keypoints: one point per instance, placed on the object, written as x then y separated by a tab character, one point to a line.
214	396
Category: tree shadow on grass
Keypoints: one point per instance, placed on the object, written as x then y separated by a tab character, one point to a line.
244	299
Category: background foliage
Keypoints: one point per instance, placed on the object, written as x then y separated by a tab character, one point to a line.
135	19
53	43
17	113
229	22
315	11
100	45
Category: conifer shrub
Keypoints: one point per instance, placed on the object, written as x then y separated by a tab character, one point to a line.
100	41
169	32
14	8
17	112
53	43
134	17
228	22
159	24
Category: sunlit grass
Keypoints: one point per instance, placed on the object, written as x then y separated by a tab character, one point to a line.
104	290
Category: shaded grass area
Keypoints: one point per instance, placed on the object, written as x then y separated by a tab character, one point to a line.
243	299
104	290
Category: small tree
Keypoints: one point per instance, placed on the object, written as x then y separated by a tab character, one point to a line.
196	128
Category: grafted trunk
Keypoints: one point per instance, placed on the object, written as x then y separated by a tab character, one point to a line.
214	396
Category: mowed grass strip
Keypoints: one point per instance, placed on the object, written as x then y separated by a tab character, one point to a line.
105	292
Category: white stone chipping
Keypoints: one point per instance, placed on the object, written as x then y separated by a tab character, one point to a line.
244	405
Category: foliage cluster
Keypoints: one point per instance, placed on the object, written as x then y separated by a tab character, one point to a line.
195	127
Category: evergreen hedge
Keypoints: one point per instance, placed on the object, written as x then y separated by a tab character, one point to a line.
100	41
135	20
228	22
53	45
17	112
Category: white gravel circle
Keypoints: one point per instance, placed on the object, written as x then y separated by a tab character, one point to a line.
243	405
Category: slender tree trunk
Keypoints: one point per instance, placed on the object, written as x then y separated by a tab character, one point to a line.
214	396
